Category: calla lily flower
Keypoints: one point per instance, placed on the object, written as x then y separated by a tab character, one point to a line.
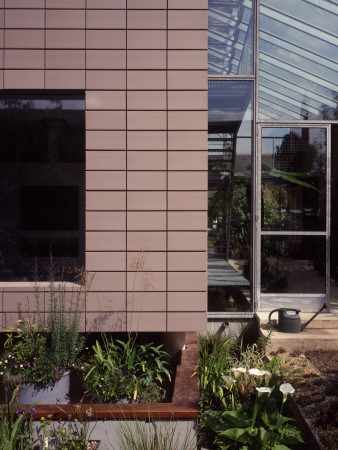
257	372
238	372
286	388
229	381
263	390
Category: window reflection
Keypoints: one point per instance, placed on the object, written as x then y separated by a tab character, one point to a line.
229	217
41	182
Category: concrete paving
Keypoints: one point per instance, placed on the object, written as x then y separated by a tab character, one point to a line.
320	334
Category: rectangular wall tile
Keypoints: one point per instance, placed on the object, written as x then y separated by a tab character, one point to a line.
145	321
188	181
105	100
188	100
143	201
23	301
105	160
106	321
106	140
106	19
187	39
146	39
153	261
65	39
147	120
187	281
24	79
153	19
106	59
72	19
106	39
187	200
146	301
106	4
65	79
187	120
183	261
24	18
152	80
106	201
105	220
106	241
21	4
105	180
192	321
146	281
185	160
142	160
146	221
186	301
106	79
109	261
105	120
109	281
146	59
66	4
146	100
105	301
187	59
185	20
189	80
65	59
143	181
187	140
24	59
147	140
146	240
187	240
188	4
187	220
25	39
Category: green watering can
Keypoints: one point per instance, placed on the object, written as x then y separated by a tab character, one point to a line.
291	323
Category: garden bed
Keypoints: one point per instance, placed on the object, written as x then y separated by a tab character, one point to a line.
314	375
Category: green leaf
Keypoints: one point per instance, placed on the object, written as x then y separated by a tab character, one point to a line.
237	434
234	417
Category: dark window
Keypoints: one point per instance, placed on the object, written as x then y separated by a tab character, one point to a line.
42	140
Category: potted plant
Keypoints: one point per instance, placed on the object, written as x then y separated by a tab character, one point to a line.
38	356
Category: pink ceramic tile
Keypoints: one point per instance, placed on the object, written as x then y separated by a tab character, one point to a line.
142	181
2	58
155	19
188	181
1	79
146	100
105	221
146	221
187	220
147	4
146	59
146	321
101	321
189	80
25	39
154	261
187	200
106	19
105	301
105	120
187	301
109	39
101	261
24	18
187	39
21	4
105	140
187	140
106	4
24	79
188	120
105	241
106	79
146	39
2	18
109	281
24	59
185	20
105	100
188	100
187	59
65	79
143	201
187	281
190	321
146	281
152	80
146	240
65	39
187	160
105	180
142	160
66	4
146	140
105	160
106	59
65	59
9	320
187	261
23	301
188	4
187	240
146	301
72	18
105	201
147	120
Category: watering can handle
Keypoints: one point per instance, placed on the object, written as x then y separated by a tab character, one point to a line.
293	309
273	326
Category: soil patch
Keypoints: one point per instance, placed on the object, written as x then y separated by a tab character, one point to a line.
314	375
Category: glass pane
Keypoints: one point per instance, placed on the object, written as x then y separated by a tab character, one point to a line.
229	223
230	37
298	64
293	264
42	141
293	179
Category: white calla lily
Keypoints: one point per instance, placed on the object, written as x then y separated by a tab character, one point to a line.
229	381
286	388
257	372
263	390
238	371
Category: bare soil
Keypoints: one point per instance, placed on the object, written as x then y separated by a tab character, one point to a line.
314	375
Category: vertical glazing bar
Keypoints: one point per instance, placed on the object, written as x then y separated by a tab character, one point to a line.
328	214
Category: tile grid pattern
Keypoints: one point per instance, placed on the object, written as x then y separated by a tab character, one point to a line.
143	66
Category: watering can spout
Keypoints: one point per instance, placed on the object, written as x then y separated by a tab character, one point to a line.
310	320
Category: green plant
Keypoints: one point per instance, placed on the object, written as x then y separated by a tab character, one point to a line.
129	370
152	435
16	426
